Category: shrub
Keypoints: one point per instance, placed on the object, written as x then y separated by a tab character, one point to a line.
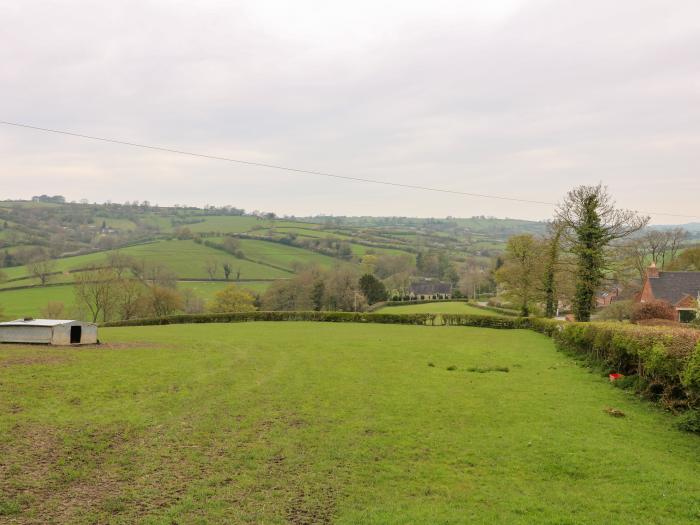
617	311
232	299
690	421
653	310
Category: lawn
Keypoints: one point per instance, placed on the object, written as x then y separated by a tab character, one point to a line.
320	423
445	307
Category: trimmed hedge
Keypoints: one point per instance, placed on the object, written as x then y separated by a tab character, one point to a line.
334	317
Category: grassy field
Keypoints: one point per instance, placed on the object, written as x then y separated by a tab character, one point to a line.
186	258
239	224
320	423
451	307
29	302
206	290
285	256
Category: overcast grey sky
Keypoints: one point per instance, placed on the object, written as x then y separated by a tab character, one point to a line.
514	97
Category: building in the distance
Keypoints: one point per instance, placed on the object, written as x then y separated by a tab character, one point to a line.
48	332
680	289
428	289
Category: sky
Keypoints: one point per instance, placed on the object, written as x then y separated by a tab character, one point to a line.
523	99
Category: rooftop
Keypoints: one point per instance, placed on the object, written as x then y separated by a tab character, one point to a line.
37	322
673	286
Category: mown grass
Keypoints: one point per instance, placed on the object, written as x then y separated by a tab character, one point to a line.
316	423
444	307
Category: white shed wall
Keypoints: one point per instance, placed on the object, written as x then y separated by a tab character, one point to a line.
25	334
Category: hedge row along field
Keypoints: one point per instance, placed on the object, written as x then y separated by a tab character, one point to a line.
661	363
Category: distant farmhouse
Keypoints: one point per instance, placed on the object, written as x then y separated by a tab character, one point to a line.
423	290
681	289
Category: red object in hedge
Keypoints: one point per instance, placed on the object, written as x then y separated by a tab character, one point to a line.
615	377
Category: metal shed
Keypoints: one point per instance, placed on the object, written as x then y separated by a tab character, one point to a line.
48	332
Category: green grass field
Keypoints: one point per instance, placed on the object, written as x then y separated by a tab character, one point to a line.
29	302
320	423
445	307
285	256
206	290
239	224
186	258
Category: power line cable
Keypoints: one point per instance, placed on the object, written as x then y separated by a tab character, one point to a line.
299	170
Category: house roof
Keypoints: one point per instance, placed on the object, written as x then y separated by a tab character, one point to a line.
38	322
430	288
673	286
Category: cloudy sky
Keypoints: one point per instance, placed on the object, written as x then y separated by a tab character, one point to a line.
519	98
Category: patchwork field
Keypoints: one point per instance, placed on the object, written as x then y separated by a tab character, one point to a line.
186	258
320	423
445	307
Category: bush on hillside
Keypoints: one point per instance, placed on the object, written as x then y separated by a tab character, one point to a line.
653	310
232	299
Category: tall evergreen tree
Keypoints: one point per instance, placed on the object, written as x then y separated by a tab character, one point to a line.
372	288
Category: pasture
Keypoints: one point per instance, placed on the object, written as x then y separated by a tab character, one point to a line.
320	423
185	258
438	307
29	302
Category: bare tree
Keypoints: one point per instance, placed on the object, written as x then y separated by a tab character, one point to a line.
659	246
42	267
97	289
211	266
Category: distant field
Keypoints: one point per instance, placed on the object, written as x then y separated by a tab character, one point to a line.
29	302
186	258
207	290
284	256
445	307
237	224
321	423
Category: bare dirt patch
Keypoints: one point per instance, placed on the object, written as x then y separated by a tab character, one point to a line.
59	475
44	358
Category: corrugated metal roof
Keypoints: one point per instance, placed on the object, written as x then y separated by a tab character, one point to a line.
37	322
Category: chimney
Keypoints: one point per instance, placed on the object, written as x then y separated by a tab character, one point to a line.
652	271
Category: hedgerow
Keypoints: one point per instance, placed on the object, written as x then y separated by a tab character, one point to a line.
665	361
334	317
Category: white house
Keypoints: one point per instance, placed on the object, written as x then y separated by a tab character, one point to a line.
48	332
